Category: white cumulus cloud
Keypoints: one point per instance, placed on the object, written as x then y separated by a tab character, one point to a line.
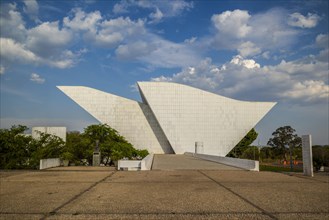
32	9
248	49
11	23
250	64
36	78
114	31
251	34
47	39
46	43
13	51
81	21
16	51
247	80
298	20
159	9
232	23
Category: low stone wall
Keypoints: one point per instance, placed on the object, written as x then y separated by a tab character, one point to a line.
145	164
50	162
251	165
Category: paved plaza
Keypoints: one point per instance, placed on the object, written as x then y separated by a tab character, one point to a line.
103	193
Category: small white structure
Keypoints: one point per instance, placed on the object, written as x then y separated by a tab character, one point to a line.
307	155
134	165
50	162
57	131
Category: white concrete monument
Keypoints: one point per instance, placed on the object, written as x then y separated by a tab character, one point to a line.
307	155
172	117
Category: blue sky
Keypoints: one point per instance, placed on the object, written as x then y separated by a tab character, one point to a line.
246	50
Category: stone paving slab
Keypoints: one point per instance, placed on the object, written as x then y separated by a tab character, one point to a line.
254	177
230	216
35	197
320	177
46	176
223	216
285	197
167	197
158	176
299	216
7	173
21	216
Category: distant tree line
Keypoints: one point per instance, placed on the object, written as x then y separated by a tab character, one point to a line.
19	151
283	144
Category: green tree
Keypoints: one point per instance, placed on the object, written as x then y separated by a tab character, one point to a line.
45	146
238	150
19	151
267	153
320	156
104	137
251	153
284	140
77	147
113	146
14	148
100	132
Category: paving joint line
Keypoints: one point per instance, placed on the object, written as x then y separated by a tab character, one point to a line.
54	211
307	178
241	197
162	213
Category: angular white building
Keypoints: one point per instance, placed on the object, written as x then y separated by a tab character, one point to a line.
173	117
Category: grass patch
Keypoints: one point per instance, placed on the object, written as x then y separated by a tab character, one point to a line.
278	169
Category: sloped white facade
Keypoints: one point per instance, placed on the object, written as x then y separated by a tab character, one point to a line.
188	115
131	119
173	117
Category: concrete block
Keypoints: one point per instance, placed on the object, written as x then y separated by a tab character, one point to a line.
129	165
307	155
96	159
48	163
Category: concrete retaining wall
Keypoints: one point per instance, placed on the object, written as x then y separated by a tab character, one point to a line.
144	164
251	165
147	162
50	162
129	164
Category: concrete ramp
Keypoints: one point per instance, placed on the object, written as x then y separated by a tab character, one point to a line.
185	162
